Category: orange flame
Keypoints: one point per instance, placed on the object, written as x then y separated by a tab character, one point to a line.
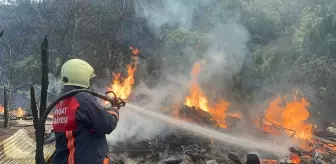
197	98
293	115
332	147
18	112
268	161
294	158
122	87
135	51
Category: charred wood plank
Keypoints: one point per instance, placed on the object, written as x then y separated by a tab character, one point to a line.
206	156
137	150
324	140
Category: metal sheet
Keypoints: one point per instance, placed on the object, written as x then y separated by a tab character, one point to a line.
20	149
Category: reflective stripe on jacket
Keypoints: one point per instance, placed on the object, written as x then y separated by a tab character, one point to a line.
80	124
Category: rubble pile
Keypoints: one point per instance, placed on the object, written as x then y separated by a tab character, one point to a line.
183	147
194	115
179	146
322	146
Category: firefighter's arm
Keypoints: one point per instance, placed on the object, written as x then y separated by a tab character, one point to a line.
96	116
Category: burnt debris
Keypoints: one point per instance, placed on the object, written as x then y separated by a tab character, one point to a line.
181	147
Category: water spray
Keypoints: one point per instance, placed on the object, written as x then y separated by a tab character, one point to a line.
212	134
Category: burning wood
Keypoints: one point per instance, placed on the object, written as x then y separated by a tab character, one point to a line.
290	119
198	116
292	115
270	161
19	113
197	100
270	127
16	114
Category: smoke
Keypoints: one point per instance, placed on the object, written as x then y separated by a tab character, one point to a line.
134	126
224	54
173	13
225	39
55	84
227	51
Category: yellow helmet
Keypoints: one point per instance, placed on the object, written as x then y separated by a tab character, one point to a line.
77	72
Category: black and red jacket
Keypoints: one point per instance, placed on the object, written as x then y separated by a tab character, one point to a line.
80	124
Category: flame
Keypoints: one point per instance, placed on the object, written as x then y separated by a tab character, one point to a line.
18	112
268	161
332	147
196	96
135	51
122	87
294	158
291	116
198	99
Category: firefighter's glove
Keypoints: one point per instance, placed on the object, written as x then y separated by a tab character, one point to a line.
114	111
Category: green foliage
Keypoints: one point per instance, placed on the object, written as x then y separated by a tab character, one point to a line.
267	20
309	20
185	37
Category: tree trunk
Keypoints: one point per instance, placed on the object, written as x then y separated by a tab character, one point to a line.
6	112
43	104
33	107
45	71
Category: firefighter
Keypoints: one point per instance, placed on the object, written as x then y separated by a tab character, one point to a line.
80	123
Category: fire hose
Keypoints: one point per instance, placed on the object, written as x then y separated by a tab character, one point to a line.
114	101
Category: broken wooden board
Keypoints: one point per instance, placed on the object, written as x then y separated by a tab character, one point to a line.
20	149
325	140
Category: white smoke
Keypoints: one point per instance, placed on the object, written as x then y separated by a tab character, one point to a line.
227	51
55	84
132	125
172	13
225	54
